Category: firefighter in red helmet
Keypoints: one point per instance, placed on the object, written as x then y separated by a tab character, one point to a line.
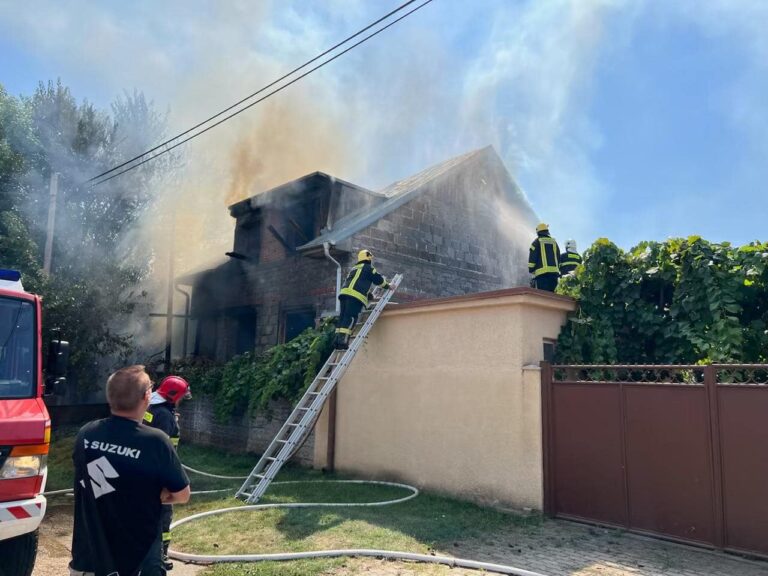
162	415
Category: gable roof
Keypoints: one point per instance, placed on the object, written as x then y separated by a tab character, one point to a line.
393	196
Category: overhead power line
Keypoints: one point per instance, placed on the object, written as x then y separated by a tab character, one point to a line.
145	157
259	91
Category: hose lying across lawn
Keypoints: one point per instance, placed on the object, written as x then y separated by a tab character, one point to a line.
350	552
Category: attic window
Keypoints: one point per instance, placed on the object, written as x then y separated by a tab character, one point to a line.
248	236
300	223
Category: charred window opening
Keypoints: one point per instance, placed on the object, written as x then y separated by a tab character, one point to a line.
243	323
248	236
296	321
300	222
206	337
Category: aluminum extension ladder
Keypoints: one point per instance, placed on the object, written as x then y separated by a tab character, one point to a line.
301	421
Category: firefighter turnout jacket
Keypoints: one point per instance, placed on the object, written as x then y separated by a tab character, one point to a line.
359	281
569	261
163	417
544	256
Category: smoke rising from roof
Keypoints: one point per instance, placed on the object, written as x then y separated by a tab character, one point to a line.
387	110
289	138
517	75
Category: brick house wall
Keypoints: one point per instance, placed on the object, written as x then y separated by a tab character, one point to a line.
239	434
446	237
450	239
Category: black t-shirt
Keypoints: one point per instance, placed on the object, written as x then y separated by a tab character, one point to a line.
120	468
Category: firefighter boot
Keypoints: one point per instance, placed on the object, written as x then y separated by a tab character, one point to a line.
167	564
341	341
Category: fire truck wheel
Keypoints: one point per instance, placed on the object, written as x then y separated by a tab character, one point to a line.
18	555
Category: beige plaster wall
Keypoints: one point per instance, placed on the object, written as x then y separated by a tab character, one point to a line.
439	397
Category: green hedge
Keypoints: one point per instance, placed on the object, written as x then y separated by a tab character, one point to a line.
680	301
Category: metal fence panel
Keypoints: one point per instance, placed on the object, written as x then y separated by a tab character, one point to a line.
669	469
676	451
744	449
588	454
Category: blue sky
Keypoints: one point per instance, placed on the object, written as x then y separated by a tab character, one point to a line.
621	119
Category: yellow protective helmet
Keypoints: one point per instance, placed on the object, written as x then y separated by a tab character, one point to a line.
364	255
542	227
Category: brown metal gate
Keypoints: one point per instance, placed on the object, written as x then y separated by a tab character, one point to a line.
673	451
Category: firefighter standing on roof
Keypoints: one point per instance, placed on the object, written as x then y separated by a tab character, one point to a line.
570	259
161	414
544	260
354	295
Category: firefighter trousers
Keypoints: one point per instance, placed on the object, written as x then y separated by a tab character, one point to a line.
166	517
350	310
546	282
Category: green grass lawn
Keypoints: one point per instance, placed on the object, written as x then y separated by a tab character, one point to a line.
60	470
428	523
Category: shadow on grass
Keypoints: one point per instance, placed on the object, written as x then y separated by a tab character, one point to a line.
431	520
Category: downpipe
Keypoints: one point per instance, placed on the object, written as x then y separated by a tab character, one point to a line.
326	250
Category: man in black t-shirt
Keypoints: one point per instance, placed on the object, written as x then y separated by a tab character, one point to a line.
124	472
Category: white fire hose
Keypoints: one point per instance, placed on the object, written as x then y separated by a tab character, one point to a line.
347	552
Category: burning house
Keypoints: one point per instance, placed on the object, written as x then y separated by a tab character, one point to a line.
459	227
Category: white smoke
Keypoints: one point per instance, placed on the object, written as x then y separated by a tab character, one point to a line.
455	76
529	90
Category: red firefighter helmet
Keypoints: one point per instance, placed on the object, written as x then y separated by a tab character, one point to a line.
174	388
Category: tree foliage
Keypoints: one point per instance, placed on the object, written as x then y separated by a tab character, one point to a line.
250	382
96	274
680	301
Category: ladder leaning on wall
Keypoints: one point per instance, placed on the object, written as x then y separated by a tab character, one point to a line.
301	421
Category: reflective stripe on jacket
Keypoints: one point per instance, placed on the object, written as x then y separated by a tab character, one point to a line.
163	417
569	261
359	281
544	256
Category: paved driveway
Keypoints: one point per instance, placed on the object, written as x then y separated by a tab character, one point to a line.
557	548
554	548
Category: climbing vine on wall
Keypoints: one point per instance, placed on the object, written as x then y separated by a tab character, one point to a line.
250	381
679	301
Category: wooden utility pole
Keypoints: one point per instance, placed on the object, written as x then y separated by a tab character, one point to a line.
169	305
54	189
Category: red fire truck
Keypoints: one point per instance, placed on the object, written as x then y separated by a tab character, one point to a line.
25	427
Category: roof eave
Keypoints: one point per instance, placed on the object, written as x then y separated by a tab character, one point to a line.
250	203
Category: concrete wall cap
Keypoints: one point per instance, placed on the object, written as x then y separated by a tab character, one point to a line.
506	297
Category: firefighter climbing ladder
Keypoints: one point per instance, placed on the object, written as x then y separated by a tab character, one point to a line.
302	419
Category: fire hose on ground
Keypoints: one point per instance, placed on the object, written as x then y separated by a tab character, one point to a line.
347	552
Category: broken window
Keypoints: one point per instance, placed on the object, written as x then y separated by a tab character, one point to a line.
248	236
206	337
244	320
296	321
299	227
